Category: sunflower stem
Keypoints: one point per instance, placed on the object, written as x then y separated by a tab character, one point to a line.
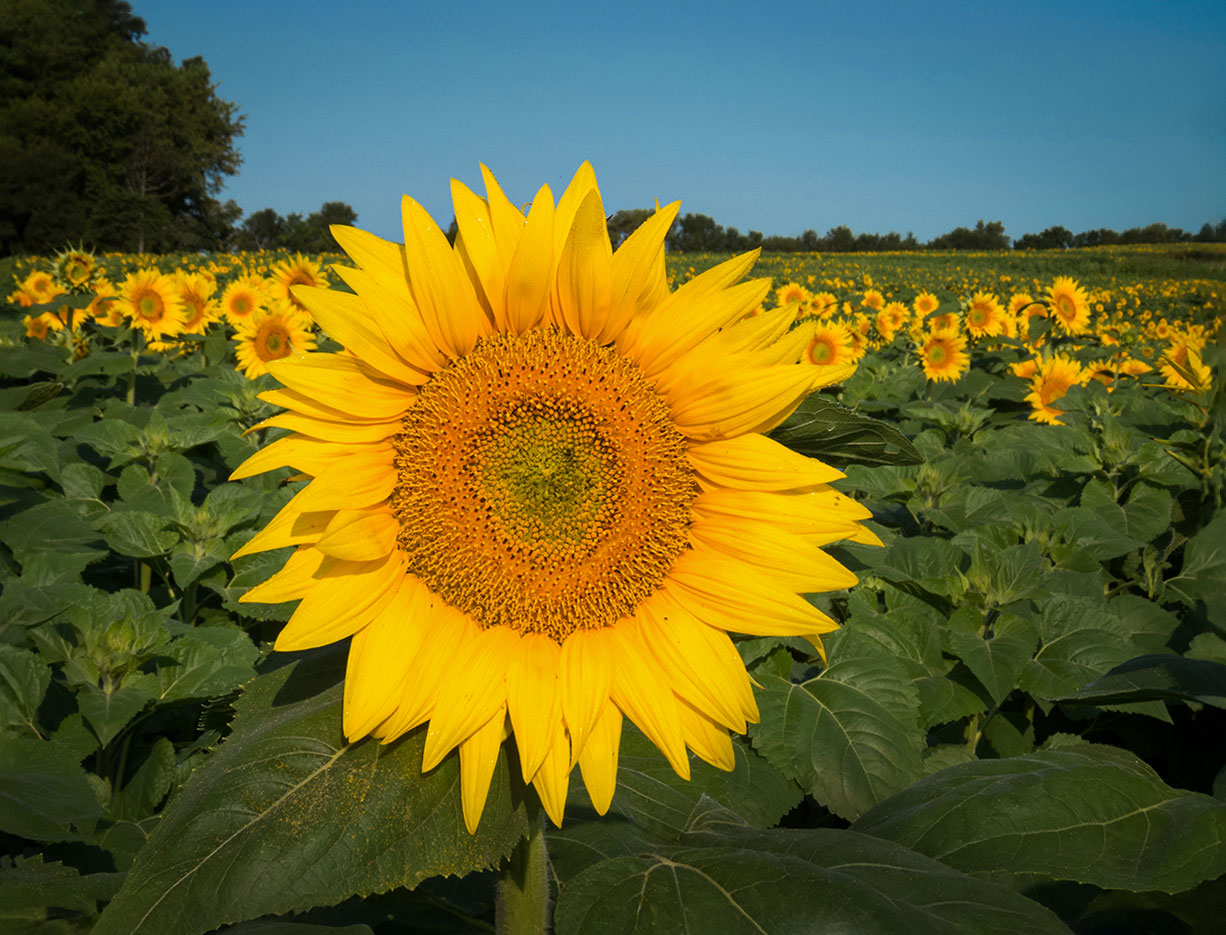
522	894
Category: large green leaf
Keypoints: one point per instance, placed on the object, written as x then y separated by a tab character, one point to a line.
286	816
1156	678
43	790
731	879
823	429
1088	813
850	737
30	884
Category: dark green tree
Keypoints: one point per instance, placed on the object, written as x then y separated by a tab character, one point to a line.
104	139
1053	238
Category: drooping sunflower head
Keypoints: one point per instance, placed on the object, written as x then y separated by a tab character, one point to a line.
1053	379
540	490
76	268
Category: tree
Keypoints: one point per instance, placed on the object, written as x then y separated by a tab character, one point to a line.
1053	238
104	139
989	236
267	230
624	223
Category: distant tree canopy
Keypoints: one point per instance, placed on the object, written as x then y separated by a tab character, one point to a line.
267	230
103	139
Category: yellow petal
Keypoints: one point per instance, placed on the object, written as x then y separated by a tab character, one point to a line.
475	243
635	265
755	462
473	689
735	401
290	526
775	554
533	698
294	580
441	290
333	377
304	405
506	219
381	258
706	738
446	632
585	276
362	479
641	690
821	514
598	760
531	270
346	597
350	322
584	181
585	677
348	433
399	319
360	535
732	596
702	665
478	757
552	780
380	658
310	455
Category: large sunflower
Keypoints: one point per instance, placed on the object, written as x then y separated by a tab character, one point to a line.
1070	304
540	495
150	299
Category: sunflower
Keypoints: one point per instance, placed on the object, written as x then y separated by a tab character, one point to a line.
298	271
830	346
873	299
946	321
242	297
76	267
150	299
943	356
824	304
1182	368
199	310
1054	378
269	334
791	293
925	304
37	326
540	494
1069	303
38	288
105	305
984	316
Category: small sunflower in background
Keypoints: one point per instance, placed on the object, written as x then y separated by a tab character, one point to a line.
75	268
541	494
830	346
824	304
943	356
150	299
1070	305
925	304
1054	378
873	299
297	271
243	297
984	316
199	309
269	334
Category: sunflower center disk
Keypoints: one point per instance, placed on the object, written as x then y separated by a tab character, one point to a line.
541	484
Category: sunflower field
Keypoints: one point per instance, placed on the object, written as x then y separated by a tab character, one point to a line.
961	670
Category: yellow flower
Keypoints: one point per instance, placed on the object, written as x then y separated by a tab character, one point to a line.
540	494
943	356
36	289
37	326
873	299
76	267
269	334
791	293
824	304
298	271
925	304
1054	378
242	297
1070	305
150	299
1182	367
830	346
984	316
199	309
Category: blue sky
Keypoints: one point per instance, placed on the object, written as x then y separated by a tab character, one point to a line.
773	116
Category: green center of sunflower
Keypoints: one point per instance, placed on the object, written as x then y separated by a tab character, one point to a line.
541	484
149	306
937	354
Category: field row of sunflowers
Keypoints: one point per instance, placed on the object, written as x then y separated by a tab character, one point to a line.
1064	333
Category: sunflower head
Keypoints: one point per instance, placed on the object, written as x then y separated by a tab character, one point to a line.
540	494
150	300
943	356
269	334
1070	305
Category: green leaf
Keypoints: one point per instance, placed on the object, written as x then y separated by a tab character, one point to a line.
52	531
29	883
737	880
1156	678
144	791
997	661
1100	532
651	794
108	712
26	446
1087	813
820	428
1203	576
43	790
286	816
23	682
850	737
118	440
190	560
138	534
1080	640
204	661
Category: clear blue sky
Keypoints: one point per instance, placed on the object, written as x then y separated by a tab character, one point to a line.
773	116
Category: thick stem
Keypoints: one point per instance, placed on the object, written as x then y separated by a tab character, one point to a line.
522	896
